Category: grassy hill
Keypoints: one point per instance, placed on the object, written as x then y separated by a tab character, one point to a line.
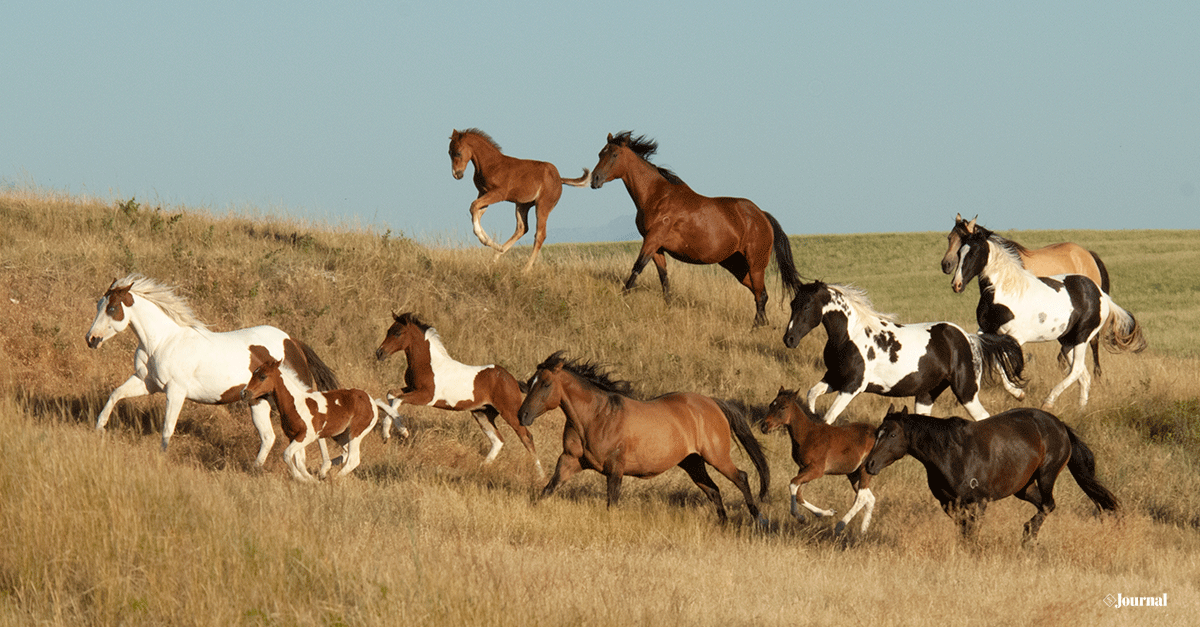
106	529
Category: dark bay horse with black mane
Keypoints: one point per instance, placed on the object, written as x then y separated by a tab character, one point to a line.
674	220
499	178
616	435
1016	453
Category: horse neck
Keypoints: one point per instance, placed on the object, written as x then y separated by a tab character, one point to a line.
289	393
435	353
483	154
798	423
152	325
643	181
1006	274
580	402
925	447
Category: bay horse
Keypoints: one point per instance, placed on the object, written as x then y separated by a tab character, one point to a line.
1061	258
345	416
178	355
434	379
1066	307
616	435
820	449
499	178
1019	453
867	351
674	220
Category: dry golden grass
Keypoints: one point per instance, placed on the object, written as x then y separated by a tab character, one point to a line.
105	529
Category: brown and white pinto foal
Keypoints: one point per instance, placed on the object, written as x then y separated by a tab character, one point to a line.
344	416
434	379
820	449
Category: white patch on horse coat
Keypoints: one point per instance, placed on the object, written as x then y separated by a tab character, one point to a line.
453	381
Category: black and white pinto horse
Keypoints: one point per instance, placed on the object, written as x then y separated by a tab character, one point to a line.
870	352
1069	308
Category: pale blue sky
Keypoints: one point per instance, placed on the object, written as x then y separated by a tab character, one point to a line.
837	117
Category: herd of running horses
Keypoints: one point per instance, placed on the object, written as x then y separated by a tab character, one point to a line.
1059	292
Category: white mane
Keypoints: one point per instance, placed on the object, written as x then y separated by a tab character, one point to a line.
864	313
1006	269
175	306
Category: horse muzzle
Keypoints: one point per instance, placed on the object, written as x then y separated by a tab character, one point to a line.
94	341
957	286
458	174
381	354
597	182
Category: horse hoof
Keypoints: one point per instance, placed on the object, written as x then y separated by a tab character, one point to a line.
837	529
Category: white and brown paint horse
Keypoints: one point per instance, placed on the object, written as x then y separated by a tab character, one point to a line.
867	351
178	355
1061	258
434	379
344	416
1068	308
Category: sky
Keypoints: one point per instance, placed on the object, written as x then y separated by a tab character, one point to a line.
835	117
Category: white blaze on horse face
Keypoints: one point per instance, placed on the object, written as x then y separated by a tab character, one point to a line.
957	281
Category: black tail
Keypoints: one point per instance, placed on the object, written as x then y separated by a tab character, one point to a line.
1104	285
324	378
1083	467
1005	354
783	258
736	412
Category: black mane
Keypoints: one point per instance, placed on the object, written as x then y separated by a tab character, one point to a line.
590	372
644	147
409	317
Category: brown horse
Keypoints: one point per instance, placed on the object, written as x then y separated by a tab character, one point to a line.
820	449
674	220
500	178
435	379
1061	258
1016	453
611	433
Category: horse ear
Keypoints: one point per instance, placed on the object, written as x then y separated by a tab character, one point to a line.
958	217
395	317
971	225
610	138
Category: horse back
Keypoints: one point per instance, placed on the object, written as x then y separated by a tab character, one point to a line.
655	435
345	410
1066	258
1009	448
519	180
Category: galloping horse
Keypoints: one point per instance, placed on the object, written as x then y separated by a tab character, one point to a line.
178	355
499	178
1061	258
1019	452
820	449
869	352
345	416
435	379
1066	307
674	220
615	435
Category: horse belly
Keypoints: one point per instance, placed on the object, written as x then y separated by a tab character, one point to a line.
219	373
895	378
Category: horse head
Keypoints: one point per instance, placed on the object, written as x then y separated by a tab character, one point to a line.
954	239
262	380
972	257
807	310
460	154
111	317
606	167
399	335
891	442
545	390
779	412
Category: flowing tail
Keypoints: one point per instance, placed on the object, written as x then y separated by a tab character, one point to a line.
1104	283
1122	332
324	379
1083	467
583	181
1003	353
735	413
783	258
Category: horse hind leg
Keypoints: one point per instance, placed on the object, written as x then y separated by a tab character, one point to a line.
522	227
486	422
693	465
1078	373
862	498
544	206
526	439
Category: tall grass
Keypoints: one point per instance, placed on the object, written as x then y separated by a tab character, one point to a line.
105	529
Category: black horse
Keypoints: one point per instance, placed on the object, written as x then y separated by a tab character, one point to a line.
1019	452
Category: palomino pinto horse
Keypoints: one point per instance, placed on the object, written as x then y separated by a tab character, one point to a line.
179	356
1061	258
611	433
820	449
499	178
676	221
1019	452
1066	307
434	379
344	416
869	352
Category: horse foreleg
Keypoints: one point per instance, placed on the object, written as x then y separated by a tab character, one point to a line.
295	459
862	498
815	392
478	207
566	468
839	404
260	417
133	386
175	399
